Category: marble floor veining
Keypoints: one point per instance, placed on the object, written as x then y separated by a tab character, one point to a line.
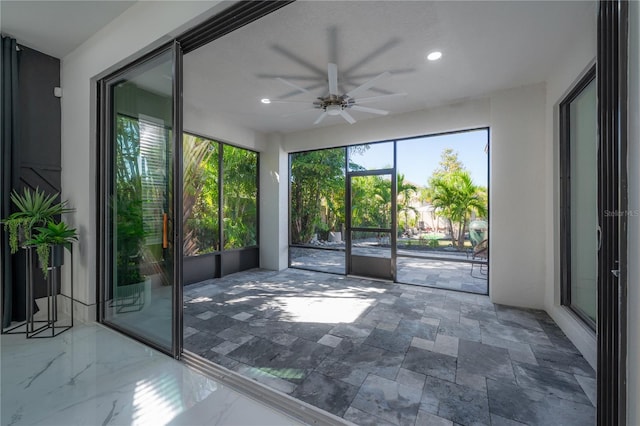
378	353
91	375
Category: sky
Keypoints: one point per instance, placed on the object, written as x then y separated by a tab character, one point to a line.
419	157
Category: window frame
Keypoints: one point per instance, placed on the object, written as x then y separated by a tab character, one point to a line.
565	195
220	214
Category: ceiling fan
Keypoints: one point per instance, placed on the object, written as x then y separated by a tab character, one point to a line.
335	104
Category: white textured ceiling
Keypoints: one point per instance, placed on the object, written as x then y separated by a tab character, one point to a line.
57	27
486	46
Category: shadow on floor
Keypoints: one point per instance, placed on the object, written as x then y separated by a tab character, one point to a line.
383	353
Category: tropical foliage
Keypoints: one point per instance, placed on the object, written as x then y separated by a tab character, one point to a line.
34	208
37	219
201	198
127	201
200	195
455	197
54	233
371	201
317	193
240	189
406	192
317	196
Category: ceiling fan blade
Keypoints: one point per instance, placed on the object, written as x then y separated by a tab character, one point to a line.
322	116
370	110
347	116
369	84
290	84
332	75
377	98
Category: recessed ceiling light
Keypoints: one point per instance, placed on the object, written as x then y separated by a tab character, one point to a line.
265	100
434	56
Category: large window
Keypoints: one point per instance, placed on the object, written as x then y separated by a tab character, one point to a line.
211	169
579	189
422	202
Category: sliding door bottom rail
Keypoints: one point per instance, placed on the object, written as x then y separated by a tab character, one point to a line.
279	401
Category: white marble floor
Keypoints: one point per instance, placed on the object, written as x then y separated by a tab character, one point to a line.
91	375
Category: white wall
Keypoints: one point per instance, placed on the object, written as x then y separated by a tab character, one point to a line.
517	201
633	321
200	122
562	80
136	29
459	116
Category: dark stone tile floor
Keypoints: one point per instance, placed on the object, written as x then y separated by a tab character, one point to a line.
377	353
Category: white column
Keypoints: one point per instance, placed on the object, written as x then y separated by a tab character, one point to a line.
274	205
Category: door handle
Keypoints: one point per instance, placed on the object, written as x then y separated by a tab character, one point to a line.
616	272
165	226
599	231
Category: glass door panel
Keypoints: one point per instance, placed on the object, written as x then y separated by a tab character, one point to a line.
138	297
583	202
370	222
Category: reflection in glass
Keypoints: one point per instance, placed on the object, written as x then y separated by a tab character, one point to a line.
371	201
583	203
318	259
371	244
240	192
317	197
200	196
139	294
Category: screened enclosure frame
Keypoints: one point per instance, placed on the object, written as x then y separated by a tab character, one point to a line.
394	171
225	261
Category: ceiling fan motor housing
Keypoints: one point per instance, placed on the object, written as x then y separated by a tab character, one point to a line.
333	104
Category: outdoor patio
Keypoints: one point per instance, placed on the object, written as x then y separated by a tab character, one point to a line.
449	271
382	353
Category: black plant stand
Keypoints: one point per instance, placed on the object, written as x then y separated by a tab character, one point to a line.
45	328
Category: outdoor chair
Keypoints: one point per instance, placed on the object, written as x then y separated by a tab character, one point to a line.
480	252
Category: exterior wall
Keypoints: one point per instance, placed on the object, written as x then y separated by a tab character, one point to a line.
136	29
565	76
633	270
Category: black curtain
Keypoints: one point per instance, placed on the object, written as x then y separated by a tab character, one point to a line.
8	149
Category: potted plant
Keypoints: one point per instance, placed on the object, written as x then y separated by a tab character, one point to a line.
51	239
35	208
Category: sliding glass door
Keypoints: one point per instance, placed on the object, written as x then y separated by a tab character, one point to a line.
579	222
142	172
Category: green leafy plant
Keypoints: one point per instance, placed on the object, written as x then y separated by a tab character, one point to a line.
51	235
433	243
35	208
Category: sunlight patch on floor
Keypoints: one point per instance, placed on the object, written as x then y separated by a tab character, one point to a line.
156	400
327	310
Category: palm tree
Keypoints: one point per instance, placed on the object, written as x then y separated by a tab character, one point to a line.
405	192
456	197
